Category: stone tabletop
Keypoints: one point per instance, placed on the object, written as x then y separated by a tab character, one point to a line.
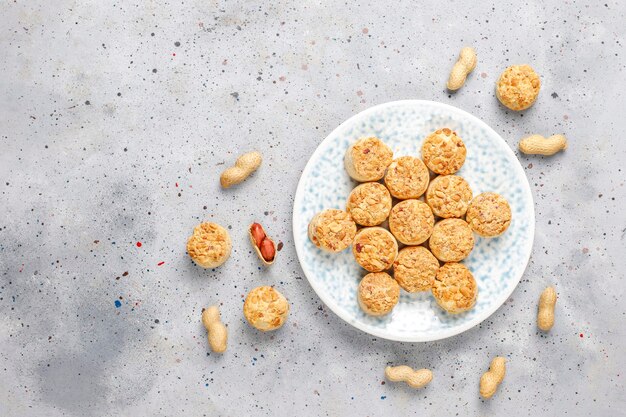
116	119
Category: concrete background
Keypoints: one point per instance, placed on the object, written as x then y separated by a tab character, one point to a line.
116	119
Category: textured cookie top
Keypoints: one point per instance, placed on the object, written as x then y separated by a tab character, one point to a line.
375	249
369	204
369	158
209	245
448	196
452	240
518	87
411	222
332	230
455	288
265	308
378	293
407	177
444	152
489	214
415	268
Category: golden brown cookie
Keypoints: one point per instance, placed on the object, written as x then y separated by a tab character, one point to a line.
518	87
265	308
448	196
444	152
411	222
407	177
452	240
209	246
489	214
367	159
415	268
455	288
369	204
332	230
378	293
375	249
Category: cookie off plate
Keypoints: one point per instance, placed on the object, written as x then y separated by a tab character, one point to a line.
497	264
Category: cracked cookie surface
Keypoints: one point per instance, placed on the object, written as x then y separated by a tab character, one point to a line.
367	159
266	308
518	87
209	246
411	222
378	293
444	152
452	240
375	249
415	268
332	230
407	177
489	215
369	204
455	288
448	196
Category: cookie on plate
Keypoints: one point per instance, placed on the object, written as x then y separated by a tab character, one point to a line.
455	288
518	87
411	222
415	268
378	293
369	204
489	215
448	196
367	159
452	240
407	177
444	152
209	246
375	249
265	308
332	230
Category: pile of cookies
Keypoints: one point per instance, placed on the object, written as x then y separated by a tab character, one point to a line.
414	217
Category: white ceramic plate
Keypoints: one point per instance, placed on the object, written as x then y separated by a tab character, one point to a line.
497	264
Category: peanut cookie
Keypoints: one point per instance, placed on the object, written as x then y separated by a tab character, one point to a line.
378	293
209	246
265	308
455	288
452	240
411	222
367	159
332	230
375	249
448	196
489	214
369	204
407	177
415	268
518	87
444	152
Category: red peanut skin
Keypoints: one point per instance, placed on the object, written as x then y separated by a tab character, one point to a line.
267	250
257	234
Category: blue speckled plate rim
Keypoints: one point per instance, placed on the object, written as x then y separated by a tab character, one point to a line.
443	334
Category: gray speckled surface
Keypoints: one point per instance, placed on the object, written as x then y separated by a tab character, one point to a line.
116	119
